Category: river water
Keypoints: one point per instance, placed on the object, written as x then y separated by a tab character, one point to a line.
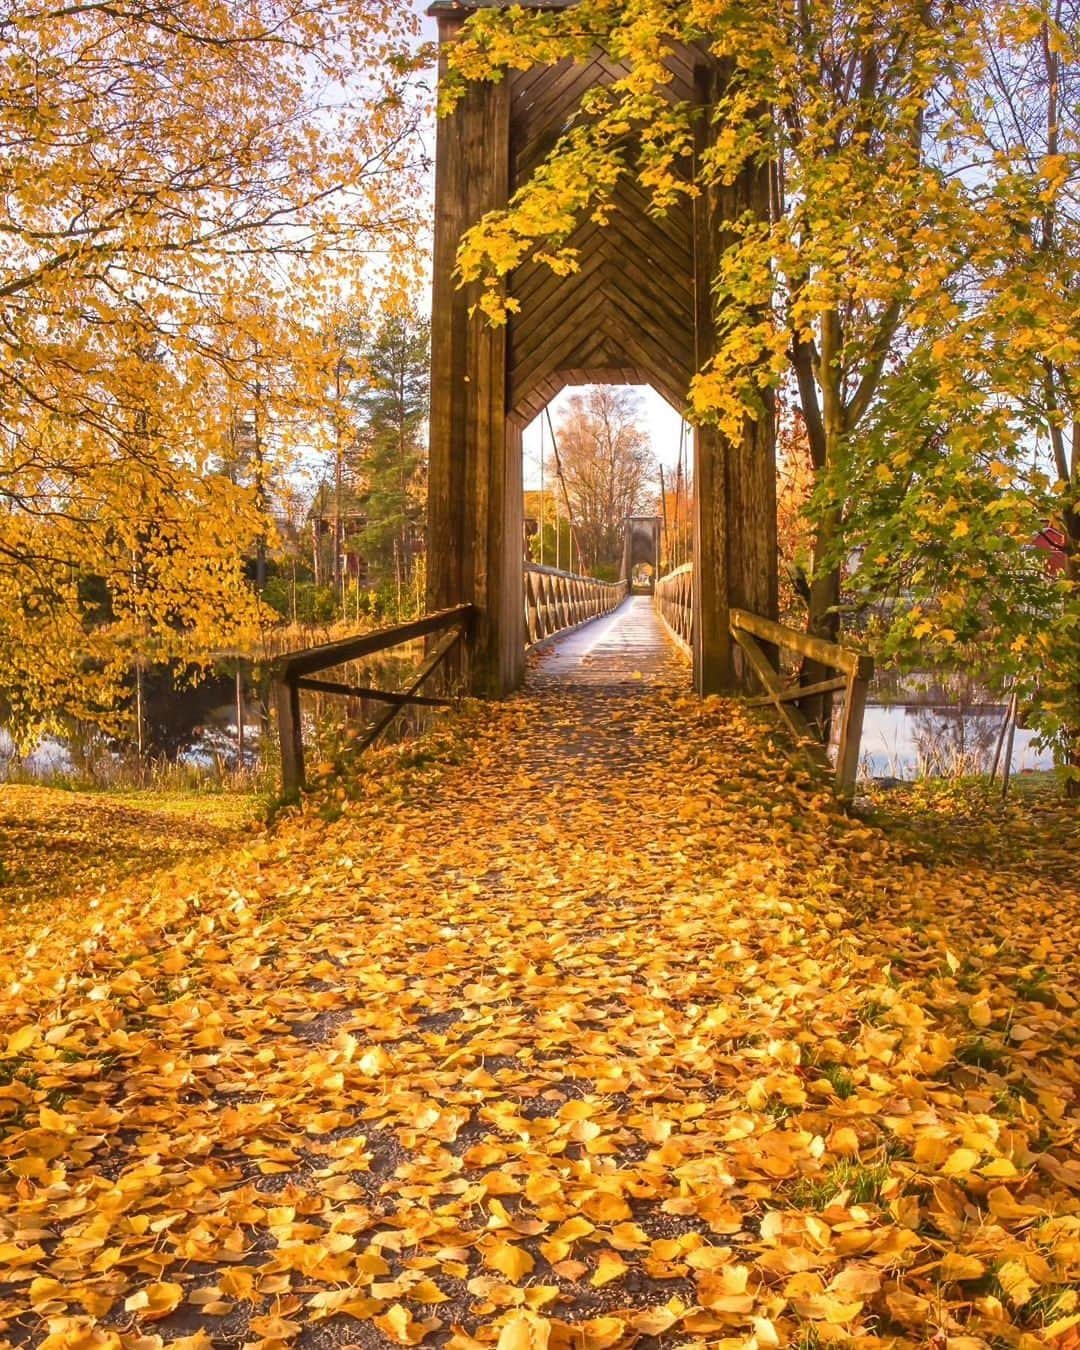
915	741
900	740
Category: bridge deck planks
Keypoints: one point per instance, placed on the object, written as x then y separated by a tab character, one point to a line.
628	647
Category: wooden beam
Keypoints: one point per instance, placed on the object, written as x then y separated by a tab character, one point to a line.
472	487
445	646
311	659
376	695
817	649
796	723
291	736
791	693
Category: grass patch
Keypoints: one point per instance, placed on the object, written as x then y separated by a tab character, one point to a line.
872	1012
861	1182
1035	988
838	1078
58	849
982	1054
778	1109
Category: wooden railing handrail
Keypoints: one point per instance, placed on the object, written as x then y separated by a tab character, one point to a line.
675	602
826	653
557	601
857	671
674	599
309	660
292	672
542	569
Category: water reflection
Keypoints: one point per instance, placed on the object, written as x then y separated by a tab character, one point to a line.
916	740
928	728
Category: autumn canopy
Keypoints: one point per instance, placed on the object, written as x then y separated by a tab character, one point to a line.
189	190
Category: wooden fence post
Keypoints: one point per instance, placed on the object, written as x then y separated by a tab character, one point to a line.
851	727
291	735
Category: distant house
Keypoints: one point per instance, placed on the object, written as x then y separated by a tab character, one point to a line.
1051	541
352	524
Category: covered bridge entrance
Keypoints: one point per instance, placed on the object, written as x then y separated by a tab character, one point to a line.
637	311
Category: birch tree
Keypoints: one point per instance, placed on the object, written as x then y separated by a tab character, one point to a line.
186	187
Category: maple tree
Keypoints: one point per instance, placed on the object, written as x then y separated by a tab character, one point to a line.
1029	131
186	187
975	451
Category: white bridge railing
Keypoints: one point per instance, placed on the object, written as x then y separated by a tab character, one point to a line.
675	604
556	601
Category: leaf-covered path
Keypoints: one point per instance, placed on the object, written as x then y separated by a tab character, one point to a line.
597	1026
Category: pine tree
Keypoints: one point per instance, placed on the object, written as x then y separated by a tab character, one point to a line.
390	455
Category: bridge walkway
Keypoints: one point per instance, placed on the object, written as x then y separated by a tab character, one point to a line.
629	646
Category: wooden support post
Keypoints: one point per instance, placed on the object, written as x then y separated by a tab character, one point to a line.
291	736
712	644
474	483
735	544
850	748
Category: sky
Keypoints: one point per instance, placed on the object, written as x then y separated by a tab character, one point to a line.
659	418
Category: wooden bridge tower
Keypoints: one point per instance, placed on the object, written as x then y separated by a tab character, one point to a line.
642	545
639	311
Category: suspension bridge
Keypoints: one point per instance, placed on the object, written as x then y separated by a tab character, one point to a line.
638	309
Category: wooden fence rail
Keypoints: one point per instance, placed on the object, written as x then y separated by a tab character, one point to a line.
855	673
675	603
556	601
297	671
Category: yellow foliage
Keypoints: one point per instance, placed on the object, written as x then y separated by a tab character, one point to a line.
185	203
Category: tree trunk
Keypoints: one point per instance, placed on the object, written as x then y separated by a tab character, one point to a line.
823	621
825	424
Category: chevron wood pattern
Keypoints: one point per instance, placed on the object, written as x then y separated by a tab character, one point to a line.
639	310
628	314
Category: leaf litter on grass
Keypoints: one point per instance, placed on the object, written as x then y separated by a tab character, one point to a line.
598	1026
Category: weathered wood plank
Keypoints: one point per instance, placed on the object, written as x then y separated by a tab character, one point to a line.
296	664
818	649
793	692
797	724
850	747
291	738
363	691
443	648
